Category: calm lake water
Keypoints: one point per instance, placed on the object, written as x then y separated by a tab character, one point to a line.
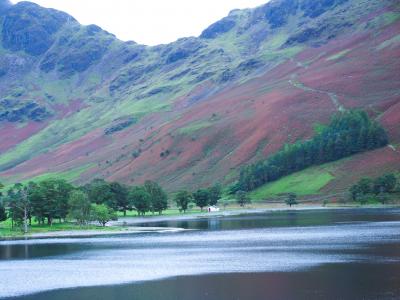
314	254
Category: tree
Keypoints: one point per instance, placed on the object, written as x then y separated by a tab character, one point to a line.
39	204
182	199
215	194
100	192
159	199
384	184
50	199
80	207
120	195
3	213
382	197
19	203
242	198
355	192
365	185
140	199
201	198
102	214
349	132
291	199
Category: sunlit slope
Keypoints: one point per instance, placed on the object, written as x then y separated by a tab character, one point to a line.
332	178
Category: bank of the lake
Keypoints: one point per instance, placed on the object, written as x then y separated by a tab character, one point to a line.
132	223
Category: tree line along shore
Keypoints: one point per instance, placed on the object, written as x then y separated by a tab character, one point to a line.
99	201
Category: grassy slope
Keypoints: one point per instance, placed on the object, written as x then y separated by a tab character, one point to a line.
306	182
332	177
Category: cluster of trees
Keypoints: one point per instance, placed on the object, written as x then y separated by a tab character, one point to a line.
97	201
201	197
379	187
349	132
49	200
149	197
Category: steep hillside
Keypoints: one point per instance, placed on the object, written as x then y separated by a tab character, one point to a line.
77	102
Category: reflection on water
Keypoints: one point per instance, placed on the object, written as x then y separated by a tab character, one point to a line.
283	219
278	255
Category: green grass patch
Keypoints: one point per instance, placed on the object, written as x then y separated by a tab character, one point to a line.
282	54
194	127
384	19
7	231
338	55
307	182
390	17
389	43
69	175
318	128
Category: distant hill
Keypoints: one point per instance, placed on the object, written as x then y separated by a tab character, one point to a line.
78	103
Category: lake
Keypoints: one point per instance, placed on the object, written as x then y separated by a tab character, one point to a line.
294	254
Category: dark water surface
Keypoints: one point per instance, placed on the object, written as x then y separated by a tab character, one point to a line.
315	254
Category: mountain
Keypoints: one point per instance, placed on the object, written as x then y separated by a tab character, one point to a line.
78	103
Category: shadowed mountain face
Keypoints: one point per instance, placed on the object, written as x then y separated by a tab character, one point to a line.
78	103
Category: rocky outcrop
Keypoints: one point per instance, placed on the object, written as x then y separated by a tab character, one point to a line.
18	111
31	28
218	28
120	124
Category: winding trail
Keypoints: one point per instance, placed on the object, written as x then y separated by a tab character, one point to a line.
334	98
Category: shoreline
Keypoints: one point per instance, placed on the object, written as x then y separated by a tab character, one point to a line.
127	221
125	225
87	233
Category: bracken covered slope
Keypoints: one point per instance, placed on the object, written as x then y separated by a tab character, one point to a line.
78	103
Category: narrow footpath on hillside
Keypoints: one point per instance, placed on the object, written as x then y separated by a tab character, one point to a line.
334	98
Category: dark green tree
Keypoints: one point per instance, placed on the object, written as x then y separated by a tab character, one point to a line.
201	198
215	194
159	199
385	184
120	195
39	204
291	199
355	192
182	199
79	207
140	199
242	198
382	197
100	192
365	185
3	213
19	204
51	199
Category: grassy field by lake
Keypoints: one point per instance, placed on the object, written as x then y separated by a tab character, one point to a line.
6	229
